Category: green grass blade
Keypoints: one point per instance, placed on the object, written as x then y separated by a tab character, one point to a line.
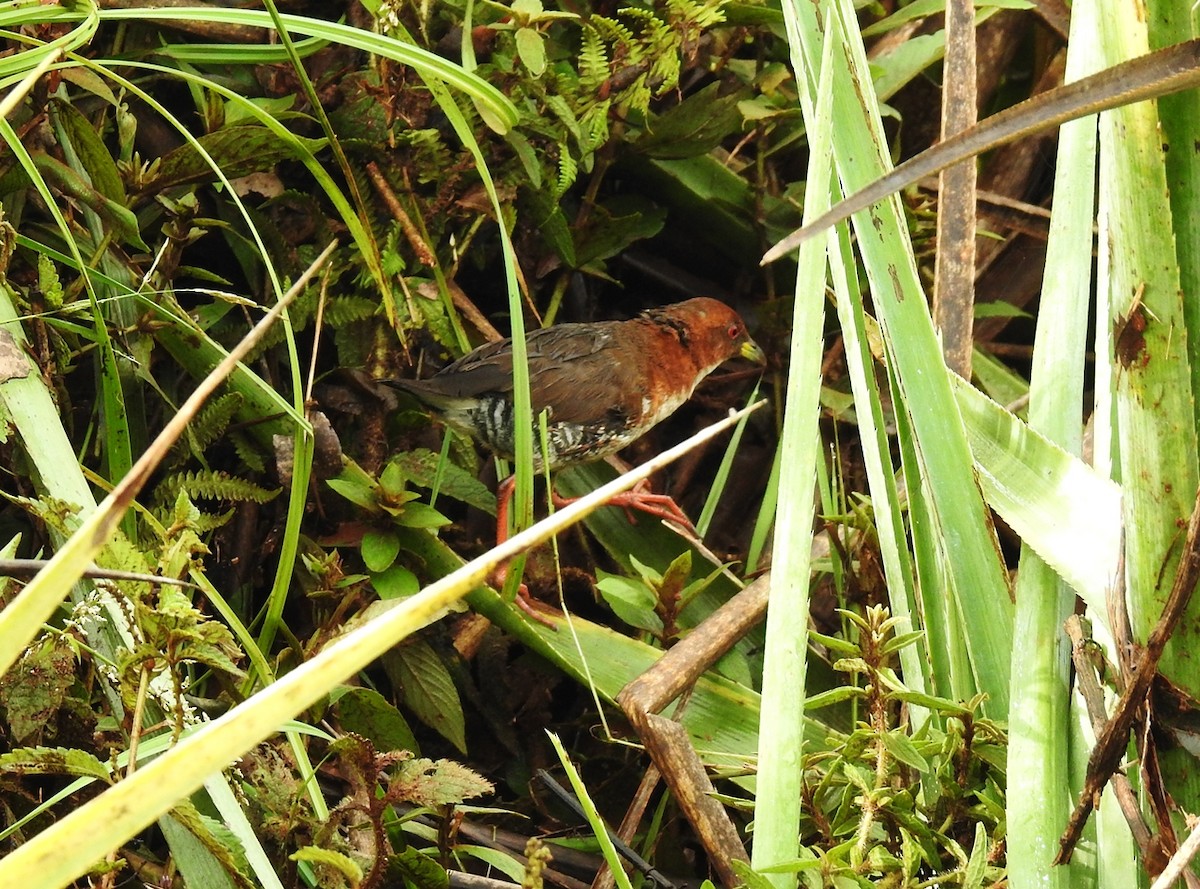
781	728
885	495
1039	751
1063	509
599	828
1151	378
966	539
501	110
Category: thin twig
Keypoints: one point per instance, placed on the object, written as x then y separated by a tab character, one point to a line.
1088	685
1180	860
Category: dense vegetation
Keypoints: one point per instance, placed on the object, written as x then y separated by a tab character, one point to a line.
481	169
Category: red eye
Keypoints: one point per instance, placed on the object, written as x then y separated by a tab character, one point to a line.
734	331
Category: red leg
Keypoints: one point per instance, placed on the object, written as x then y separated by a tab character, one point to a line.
504	494
660	506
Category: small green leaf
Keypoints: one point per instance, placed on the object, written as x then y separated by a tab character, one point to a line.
834	696
999	309
939	705
902	641
899	746
357	493
977	866
421	515
392	480
833	643
395	582
633	602
678	571
528	157
851	665
532	50
379	549
344	864
648	574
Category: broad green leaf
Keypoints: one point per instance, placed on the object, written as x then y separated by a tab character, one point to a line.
52	761
120	217
237	150
204	850
95	157
1060	506
34	689
427	469
696	125
427	689
366	712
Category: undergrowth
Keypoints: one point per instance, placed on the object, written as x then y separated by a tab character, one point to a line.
163	181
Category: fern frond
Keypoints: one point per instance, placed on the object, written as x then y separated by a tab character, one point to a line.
594	123
248	452
212	485
664	73
345	309
645	17
207	522
638	95
611	30
430	154
593	60
212	422
698	14
567	171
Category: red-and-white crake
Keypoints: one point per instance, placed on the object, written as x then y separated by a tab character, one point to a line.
603	385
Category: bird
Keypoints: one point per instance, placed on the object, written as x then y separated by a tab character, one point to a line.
603	385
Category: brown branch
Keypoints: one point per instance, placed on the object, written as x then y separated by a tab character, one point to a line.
1092	692
1106	755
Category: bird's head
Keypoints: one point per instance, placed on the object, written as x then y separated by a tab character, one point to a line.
711	331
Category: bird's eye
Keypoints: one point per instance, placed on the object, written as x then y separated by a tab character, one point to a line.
734	331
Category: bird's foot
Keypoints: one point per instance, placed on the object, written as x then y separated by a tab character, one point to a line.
641	499
524	600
